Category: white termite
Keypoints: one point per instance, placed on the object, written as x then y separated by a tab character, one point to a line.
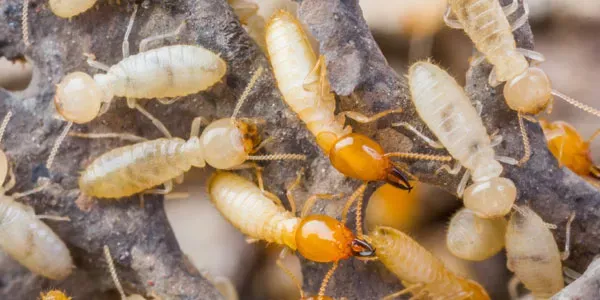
443	105
23	236
473	238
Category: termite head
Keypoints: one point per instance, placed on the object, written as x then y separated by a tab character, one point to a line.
530	92
491	198
322	238
54	295
78	98
357	156
227	143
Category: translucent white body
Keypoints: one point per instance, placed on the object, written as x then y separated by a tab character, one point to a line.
443	105
163	72
250	211
485	23
473	238
223	144
532	254
31	242
293	59
70	8
413	264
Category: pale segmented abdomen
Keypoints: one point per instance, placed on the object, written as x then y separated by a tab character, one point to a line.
485	23
413	264
170	71
70	8
31	242
532	253
293	59
132	169
449	114
244	205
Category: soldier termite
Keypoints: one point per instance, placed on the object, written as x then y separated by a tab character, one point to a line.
421	273
532	253
226	143
569	148
115	277
318	238
301	78
165	72
389	206
527	89
23	236
54	295
473	238
443	105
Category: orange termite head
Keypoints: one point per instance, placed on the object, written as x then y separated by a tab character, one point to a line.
357	156
54	295
322	238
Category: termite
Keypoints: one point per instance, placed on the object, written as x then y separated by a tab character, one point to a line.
528	89
23	236
421	273
301	78
54	295
247	12
473	238
392	207
319	238
115	277
443	105
569	147
165	72
532	253
226	143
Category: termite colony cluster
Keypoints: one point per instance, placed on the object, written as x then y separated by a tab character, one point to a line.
489	221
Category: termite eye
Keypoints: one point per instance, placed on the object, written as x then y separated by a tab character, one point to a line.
529	92
362	248
78	98
398	179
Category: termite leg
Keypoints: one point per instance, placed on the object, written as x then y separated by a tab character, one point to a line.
477	59
513	287
104	108
326	280
109	135
511	8
361	118
154	120
492	81
287	271
92	62
308	84
495	139
535	56
450	170
357	193
262	144
418	296
570	275
144	43
460	190
168	187
478	107
508	160
567	252
168	101
526	144
39	188
125	46
519	22
450	22
11	181
404	291
289	191
53	218
428	140
593	136
197	123
179	179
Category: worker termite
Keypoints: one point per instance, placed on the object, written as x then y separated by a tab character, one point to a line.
54	295
532	253
443	105
115	277
473	238
301	78
421	273
569	148
23	236
165	72
528	89
226	143
318	238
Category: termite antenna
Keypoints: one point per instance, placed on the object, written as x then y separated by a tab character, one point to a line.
57	144
357	194
567	252
419	156
577	104
25	23
328	276
4	124
246	91
359	224
280	156
113	272
526	144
